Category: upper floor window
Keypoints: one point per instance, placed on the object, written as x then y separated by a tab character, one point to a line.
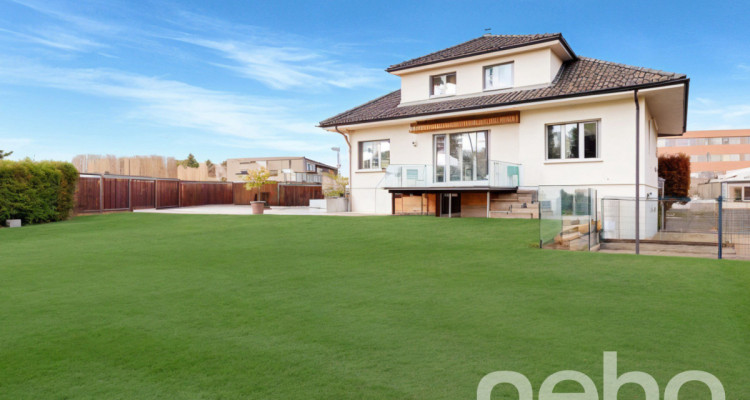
498	76
572	141
443	85
374	154
310	167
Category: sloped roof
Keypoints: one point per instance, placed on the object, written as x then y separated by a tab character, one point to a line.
480	45
579	77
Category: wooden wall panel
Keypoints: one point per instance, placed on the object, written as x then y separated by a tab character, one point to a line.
269	194
115	194
474	204
167	194
142	194
205	193
299	195
87	195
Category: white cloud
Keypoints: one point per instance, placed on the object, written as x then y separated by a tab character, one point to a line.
712	114
83	23
287	67
55	38
267	122
278	60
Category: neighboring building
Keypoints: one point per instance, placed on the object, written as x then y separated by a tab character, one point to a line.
711	152
734	186
483	124
282	169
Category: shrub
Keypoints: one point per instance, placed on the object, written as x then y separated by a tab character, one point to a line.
675	169
338	185
37	191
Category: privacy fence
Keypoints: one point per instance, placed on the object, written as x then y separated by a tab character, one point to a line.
104	193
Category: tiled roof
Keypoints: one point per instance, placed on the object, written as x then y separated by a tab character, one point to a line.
583	76
480	45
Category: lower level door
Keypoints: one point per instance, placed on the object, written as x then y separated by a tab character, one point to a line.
450	204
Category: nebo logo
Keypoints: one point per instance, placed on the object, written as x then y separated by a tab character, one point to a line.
612	383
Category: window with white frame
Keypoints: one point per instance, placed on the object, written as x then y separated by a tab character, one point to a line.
443	85
310	167
498	76
374	155
461	157
577	140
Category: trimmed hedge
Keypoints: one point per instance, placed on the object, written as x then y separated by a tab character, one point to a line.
37	191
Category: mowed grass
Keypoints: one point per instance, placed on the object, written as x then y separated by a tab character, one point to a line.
144	306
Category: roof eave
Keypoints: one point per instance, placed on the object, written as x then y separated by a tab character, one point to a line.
683	80
559	38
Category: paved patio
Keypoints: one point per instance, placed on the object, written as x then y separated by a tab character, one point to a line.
231	209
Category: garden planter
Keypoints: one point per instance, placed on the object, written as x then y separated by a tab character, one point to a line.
13	223
258	206
337	204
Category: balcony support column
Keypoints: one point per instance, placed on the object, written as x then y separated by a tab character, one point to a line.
488	204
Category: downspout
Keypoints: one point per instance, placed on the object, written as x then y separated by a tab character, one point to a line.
351	177
637	173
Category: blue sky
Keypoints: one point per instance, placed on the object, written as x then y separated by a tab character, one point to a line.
253	78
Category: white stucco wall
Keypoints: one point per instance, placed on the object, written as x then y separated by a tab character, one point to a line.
537	67
612	174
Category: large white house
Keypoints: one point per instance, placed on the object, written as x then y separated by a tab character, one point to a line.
497	117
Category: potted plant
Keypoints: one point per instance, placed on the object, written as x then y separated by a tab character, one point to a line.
335	193
256	178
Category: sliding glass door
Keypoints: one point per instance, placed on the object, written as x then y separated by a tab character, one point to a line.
461	157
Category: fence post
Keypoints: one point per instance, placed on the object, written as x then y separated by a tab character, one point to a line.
156	204
721	225
101	193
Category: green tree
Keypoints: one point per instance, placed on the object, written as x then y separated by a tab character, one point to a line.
256	178
4	154
189	162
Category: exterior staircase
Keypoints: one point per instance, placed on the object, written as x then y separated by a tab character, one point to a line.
521	204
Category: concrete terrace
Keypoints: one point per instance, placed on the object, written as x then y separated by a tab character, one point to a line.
231	209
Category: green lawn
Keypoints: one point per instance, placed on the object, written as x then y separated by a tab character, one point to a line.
145	306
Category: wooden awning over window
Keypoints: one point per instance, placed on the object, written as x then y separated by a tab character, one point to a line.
512	117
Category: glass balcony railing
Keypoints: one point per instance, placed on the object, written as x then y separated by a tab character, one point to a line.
501	175
505	174
298	177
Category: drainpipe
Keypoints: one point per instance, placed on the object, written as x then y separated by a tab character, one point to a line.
351	177
637	173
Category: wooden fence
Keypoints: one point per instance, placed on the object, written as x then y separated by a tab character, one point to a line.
99	193
278	194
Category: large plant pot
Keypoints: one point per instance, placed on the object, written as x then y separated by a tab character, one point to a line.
258	206
337	204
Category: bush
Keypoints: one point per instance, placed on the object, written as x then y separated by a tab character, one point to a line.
675	169
37	191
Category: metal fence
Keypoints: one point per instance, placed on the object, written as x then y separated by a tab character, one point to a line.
708	227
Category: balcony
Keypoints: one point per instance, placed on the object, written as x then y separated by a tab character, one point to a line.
502	175
299	177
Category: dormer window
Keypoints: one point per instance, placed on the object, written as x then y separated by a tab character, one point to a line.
498	76
443	85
